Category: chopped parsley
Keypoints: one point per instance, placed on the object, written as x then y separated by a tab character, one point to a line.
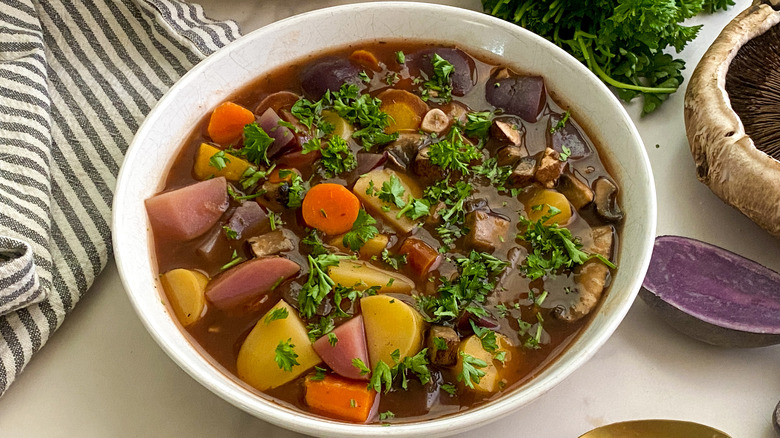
385	376
278	313
439	343
364	76
252	176
438	87
362	110
471	372
475	282
361	366
297	188
478	124
387	415
454	153
449	388
236	259
321	328
553	247
332	339
394	261
561	123
565	153
400	57
230	233
392	193
256	144
319	284
363	230
319	374
219	160
285	355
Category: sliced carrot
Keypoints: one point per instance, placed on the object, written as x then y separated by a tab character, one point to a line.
340	398
330	208
366	59
228	121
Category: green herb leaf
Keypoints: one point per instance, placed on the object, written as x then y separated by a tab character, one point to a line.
256	144
285	355
219	160
363	230
361	366
279	313
471	372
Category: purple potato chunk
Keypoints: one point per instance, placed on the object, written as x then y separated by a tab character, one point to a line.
523	96
327	74
712	294
464	73
568	135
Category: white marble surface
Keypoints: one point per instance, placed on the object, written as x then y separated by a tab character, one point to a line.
102	375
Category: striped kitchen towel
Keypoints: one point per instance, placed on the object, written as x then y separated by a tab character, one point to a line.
77	78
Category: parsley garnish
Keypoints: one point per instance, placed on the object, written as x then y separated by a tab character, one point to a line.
438	86
319	284
387	415
278	313
319	374
439	343
400	57
219	160
363	230
321	328
236	259
336	156
363	111
230	233
394	261
553	247
361	366
285	355
364	76
478	124
384	375
561	123
256	144
471	374
297	189
332	339
449	388
565	153
393	193
454	153
252	176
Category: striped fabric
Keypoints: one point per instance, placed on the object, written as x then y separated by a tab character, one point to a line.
77	78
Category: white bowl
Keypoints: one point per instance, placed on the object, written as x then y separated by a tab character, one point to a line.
213	81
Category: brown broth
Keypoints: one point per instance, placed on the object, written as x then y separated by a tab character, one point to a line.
220	333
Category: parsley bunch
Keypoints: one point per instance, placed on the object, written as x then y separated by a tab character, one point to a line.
384	375
623	42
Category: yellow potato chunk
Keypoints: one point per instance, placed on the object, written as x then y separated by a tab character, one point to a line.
341	127
256	364
234	166
372	247
494	371
391	325
185	291
362	275
373	203
546	198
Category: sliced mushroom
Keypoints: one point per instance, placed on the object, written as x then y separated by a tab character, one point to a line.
550	168
404	149
424	167
486	230
732	115
506	132
510	155
605	198
272	243
523	173
576	191
435	121
590	277
440	336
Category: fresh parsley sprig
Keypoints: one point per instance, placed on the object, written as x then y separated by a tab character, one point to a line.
362	231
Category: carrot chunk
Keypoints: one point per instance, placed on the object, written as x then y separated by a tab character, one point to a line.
228	121
340	398
330	208
366	59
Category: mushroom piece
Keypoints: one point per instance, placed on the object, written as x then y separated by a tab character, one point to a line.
424	167
404	149
506	132
575	190
732	115
605	198
435	121
442	343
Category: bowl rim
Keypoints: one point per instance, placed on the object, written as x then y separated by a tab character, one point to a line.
204	370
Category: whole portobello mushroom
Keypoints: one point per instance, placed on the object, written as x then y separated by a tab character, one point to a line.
732	115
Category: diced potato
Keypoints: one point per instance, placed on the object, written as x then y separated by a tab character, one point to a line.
391	325
372	247
545	198
379	177
494	371
405	110
362	275
234	166
185	290
256	364
341	127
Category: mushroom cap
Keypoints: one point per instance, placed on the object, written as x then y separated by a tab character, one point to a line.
726	158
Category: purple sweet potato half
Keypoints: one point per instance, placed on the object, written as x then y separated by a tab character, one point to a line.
188	212
249	280
712	294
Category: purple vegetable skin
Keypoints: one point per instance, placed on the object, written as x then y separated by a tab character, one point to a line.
712	294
